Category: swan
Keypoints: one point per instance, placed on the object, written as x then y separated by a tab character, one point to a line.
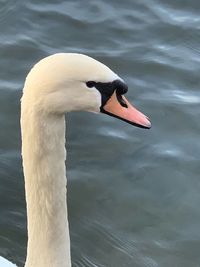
56	85
6	263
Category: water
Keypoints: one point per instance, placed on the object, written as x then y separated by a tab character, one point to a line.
133	194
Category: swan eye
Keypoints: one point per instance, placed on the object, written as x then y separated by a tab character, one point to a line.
90	84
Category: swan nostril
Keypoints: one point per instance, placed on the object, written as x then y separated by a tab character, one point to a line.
121	100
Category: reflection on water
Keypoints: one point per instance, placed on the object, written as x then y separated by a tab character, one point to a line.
133	194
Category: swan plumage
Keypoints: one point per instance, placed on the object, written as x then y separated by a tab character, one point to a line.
56	85
6	263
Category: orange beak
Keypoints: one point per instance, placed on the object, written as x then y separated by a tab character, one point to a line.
119	107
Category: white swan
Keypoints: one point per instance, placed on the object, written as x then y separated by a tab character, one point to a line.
58	84
6	263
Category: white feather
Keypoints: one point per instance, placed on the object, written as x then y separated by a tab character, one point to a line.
6	263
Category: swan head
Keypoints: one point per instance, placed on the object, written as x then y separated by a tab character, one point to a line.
67	82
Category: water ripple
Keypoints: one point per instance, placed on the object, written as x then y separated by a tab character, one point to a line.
176	16
6	10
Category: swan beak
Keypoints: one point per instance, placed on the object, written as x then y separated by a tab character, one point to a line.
119	107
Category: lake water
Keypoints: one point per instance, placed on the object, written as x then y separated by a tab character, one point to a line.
134	196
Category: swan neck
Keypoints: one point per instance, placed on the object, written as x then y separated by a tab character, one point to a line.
44	154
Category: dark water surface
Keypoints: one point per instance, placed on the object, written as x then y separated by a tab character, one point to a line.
134	195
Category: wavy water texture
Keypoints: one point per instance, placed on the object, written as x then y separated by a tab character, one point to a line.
133	194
